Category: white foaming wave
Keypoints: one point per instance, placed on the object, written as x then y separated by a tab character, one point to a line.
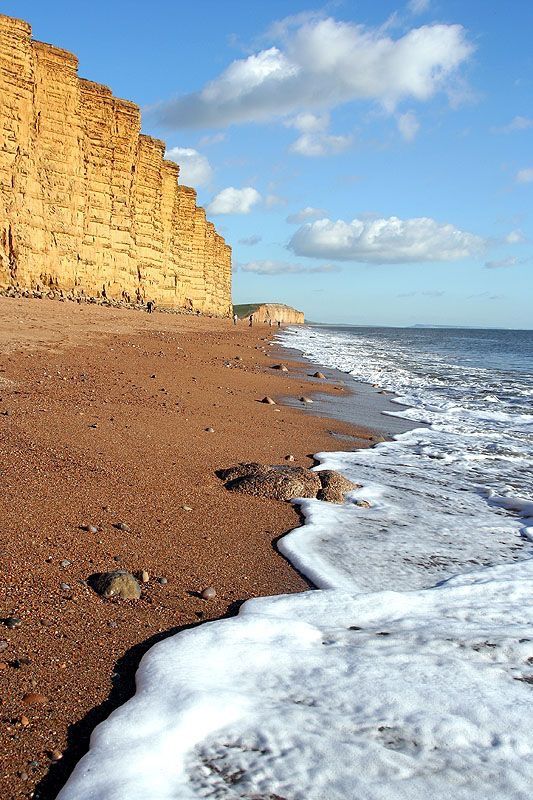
336	695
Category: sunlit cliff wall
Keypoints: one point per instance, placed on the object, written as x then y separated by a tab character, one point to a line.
88	203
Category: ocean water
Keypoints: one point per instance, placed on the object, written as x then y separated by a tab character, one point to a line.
408	674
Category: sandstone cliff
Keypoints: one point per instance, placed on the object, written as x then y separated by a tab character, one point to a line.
88	204
263	312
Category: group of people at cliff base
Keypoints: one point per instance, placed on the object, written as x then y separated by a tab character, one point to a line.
251	321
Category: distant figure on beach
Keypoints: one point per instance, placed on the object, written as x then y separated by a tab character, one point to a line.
235	318
251	320
279	323
150	305
269	322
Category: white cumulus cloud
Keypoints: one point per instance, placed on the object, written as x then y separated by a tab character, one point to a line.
272	267
525	175
306	214
195	169
319	63
385	241
234	201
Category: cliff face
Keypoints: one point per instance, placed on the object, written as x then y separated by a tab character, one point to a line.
263	312
87	203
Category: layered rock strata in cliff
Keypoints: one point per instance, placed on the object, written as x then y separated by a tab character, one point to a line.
88	204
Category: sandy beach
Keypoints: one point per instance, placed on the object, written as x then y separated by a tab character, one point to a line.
104	418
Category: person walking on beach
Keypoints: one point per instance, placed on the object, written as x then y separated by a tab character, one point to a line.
235	318
279	323
251	320
150	306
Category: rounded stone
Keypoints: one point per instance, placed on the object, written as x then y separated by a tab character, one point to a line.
290	457
34	699
162	581
268	401
122	526
305	400
119	583
209	430
209	593
91	528
319	375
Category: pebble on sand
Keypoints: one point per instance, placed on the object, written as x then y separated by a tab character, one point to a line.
209	593
12	622
305	400
281	367
90	528
145	577
122	526
268	401
319	375
34	699
186	508
162	581
209	430
290	457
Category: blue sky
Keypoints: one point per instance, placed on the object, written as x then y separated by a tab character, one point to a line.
369	162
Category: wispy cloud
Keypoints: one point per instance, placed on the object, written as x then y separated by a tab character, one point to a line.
525	175
251	240
516	124
272	267
515	237
305	215
485	296
408	125
510	261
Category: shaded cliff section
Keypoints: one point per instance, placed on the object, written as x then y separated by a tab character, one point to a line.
88	204
277	312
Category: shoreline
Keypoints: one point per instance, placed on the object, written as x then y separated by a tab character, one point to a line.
109	410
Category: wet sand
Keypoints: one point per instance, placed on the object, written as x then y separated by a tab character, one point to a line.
103	417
